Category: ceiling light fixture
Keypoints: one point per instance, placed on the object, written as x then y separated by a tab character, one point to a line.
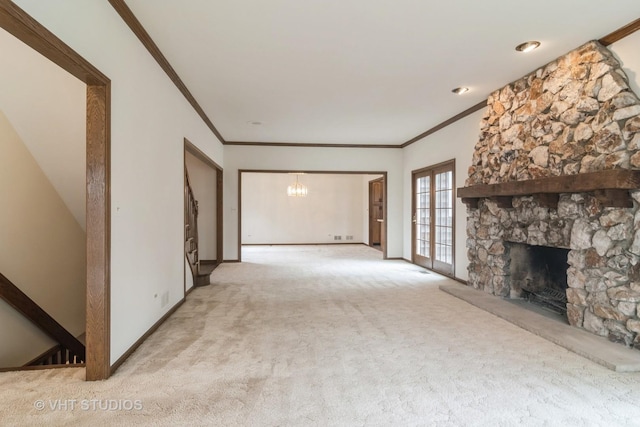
528	46
460	90
297	189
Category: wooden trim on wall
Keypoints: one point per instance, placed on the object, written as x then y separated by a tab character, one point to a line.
22	26
311	172
620	33
310	145
384	214
184	220
191	148
219	216
459	280
98	133
130	19
98	338
240	171
465	113
306	244
30	310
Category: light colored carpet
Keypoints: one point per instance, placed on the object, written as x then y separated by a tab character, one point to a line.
332	335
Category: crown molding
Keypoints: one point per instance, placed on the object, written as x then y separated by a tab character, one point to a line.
134	24
436	128
314	145
620	33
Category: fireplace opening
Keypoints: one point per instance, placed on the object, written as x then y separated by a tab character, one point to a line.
539	275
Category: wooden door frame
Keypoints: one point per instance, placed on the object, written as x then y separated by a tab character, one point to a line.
190	148
98	200
449	163
308	172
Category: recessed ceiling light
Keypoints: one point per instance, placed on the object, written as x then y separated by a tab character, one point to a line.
528	46
460	90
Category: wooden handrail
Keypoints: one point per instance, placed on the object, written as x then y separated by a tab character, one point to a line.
191	226
17	299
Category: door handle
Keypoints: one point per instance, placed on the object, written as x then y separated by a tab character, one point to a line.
380	220
414	219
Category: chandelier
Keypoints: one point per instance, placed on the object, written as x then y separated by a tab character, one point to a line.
297	189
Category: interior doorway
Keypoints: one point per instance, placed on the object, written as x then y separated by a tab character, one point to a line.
204	180
326	215
376	213
98	212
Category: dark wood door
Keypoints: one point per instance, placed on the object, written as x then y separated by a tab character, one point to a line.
376	213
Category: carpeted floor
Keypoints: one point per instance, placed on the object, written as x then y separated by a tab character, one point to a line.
331	336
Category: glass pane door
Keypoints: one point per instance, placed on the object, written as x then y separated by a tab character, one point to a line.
422	219
433	218
443	238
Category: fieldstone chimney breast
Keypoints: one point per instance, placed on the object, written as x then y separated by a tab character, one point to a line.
575	116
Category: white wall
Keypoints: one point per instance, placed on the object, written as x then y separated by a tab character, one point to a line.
42	251
627	51
46	106
333	207
312	159
453	142
188	277
203	184
149	121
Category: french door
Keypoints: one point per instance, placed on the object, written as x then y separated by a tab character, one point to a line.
433	228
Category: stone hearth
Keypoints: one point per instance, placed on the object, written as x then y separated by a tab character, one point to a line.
574	116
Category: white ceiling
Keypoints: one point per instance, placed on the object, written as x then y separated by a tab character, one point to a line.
359	71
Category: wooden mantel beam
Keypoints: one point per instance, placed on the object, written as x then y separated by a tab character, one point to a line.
616	181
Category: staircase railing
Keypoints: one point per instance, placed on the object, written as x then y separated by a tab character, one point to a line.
72	348
57	355
191	227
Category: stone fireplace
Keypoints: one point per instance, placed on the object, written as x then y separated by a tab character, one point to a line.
557	165
539	275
